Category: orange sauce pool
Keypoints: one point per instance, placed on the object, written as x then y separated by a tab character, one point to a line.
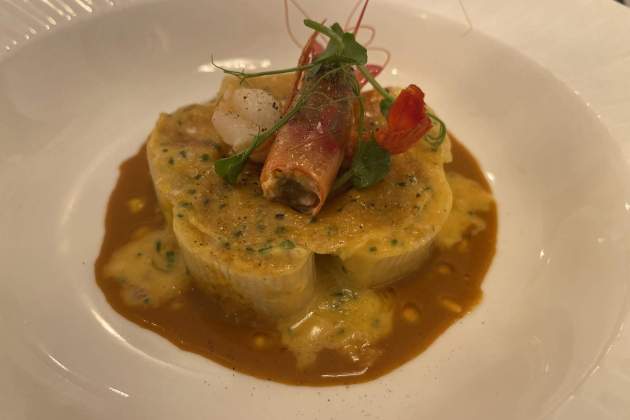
198	324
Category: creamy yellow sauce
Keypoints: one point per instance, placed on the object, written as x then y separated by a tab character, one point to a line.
150	269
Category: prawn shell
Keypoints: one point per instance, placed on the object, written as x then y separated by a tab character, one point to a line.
309	149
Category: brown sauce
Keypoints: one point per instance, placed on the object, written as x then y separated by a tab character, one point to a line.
199	326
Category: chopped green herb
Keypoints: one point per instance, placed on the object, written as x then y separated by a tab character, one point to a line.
191	191
182	153
287	244
281	230
205	157
265	249
394	242
158	246
170	257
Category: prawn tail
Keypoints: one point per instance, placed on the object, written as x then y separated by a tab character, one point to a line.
407	121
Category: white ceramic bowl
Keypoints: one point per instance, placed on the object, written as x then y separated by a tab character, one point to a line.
76	102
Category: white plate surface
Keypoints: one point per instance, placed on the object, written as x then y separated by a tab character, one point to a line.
542	103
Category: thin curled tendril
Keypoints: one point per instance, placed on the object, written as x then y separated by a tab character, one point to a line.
385	51
347	27
287	22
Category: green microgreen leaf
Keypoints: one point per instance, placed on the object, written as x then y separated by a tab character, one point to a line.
343	47
230	167
354	52
370	164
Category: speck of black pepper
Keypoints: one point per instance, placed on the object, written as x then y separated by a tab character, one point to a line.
192	191
279	216
373	249
164	150
171	161
206	201
182	153
222	205
205	157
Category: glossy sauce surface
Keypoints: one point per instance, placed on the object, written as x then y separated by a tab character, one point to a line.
445	289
